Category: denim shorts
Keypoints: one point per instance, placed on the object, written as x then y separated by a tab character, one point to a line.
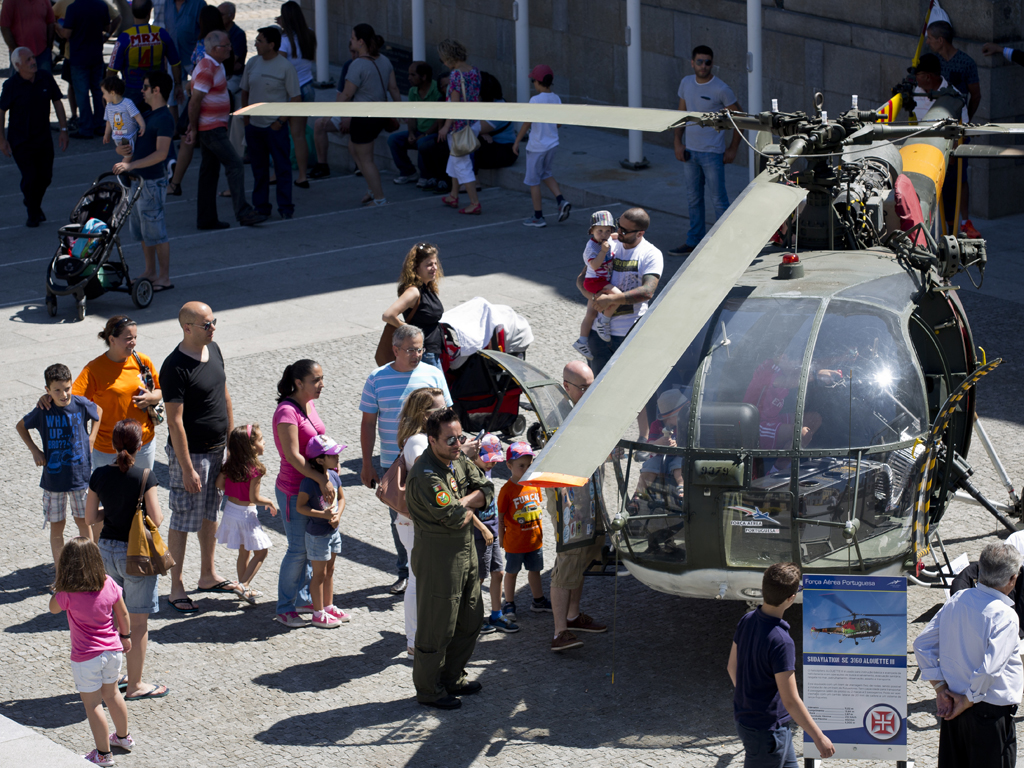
320	548
147	218
140	592
532	561
488	556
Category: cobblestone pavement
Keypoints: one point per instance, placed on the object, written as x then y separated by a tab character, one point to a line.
246	691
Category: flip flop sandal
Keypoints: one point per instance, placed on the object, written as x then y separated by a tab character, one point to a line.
223	588
175	603
476	210
122	683
250	595
367	198
156	692
449	202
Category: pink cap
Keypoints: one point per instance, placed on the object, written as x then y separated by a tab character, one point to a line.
540	72
490	448
518	450
322	445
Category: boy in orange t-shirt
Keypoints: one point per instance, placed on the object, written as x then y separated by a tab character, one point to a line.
519	531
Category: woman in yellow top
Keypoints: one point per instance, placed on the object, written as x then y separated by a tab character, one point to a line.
116	381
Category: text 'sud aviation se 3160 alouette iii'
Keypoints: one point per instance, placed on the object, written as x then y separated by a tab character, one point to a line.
817	337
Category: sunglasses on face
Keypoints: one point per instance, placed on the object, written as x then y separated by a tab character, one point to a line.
625	231
460	439
702	62
208	325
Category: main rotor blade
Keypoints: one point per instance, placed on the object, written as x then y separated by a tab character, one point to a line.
990	128
987	150
838	601
652	120
660	337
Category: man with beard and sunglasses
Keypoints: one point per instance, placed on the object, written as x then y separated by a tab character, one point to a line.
442	490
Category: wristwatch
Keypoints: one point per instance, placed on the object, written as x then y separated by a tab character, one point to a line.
125	637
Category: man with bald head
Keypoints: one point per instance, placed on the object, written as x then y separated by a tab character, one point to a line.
570	565
199	419
208	112
27	96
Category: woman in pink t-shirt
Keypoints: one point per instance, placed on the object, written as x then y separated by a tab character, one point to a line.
93	602
295	423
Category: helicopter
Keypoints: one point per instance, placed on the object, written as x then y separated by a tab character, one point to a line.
854	625
826	284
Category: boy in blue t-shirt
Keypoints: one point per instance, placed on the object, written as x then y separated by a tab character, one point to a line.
761	666
66	456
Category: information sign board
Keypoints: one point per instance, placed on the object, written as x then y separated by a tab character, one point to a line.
855	664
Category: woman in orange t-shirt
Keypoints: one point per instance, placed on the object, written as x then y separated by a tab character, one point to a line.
116	382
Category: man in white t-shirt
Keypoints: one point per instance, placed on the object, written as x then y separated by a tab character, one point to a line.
637	268
540	150
703	151
929	80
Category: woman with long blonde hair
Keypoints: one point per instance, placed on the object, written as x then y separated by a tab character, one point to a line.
412	440
418	288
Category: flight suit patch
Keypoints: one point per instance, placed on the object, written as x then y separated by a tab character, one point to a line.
443	499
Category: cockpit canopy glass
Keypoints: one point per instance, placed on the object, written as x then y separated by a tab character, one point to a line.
863	387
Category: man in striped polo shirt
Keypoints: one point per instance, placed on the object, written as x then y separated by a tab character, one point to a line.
384	395
208	111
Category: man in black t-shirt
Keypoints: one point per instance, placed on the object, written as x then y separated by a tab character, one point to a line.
149	163
199	419
27	95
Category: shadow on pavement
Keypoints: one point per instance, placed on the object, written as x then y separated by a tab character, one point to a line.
25	583
328	674
52	712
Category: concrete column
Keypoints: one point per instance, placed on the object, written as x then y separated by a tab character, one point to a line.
634	61
754	78
419	35
323	72
521	16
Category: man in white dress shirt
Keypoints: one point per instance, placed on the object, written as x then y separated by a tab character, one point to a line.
969	653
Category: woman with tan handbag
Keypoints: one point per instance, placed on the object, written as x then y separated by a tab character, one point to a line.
412	441
117	488
461	135
418	288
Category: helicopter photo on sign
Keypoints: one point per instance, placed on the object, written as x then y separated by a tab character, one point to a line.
855	663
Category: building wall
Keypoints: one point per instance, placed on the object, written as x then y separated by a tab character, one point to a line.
835	46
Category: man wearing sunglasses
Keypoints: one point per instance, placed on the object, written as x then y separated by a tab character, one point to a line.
442	490
637	269
199	419
149	163
703	150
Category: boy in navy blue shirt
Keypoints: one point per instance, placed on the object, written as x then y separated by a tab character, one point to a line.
761	665
66	456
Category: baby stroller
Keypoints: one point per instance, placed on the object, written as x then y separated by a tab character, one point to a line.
82	266
484	395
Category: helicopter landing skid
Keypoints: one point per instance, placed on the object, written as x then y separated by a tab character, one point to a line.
969	494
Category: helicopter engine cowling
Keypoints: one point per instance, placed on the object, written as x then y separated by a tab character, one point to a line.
868	199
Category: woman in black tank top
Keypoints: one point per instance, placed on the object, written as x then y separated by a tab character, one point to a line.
418	302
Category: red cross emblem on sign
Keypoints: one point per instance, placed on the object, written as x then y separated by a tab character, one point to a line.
883	722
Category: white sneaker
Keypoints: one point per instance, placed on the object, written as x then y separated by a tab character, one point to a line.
535	222
604	328
127	743
291	620
563	210
404	179
581	346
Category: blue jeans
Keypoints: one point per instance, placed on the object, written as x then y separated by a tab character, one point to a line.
398	143
86	81
602	350
293	578
433	359
768	748
266	145
701	167
44	60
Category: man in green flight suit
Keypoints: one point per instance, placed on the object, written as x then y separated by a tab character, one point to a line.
442	488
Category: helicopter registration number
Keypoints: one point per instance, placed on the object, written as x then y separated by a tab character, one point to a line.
718	472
